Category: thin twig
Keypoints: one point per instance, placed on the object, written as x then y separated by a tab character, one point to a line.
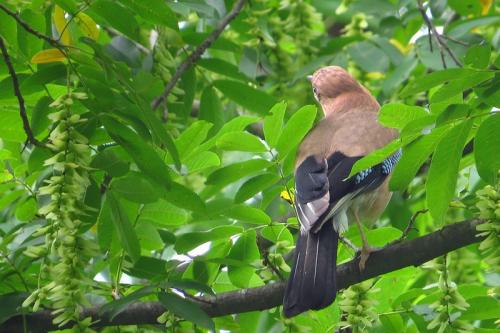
409	227
28	28
439	38
198	52
17	92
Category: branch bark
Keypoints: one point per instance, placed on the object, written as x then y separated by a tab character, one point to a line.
410	253
29	29
20	99
198	52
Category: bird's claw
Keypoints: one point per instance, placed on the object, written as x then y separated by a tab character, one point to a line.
365	254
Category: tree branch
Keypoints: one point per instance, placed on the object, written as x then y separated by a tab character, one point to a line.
411	253
443	46
17	92
29	29
198	52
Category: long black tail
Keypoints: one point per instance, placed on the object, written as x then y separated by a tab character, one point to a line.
312	283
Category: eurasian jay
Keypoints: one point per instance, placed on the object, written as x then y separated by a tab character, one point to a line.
325	198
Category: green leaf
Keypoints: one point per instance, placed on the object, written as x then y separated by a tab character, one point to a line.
26	210
148	268
277	233
481	308
11	126
233	172
459	85
443	171
44	75
241	141
478	56
110	162
119	17
192	137
487	149
250	98
248	214
39	121
222	67
105	226
202	161
369	57
210	108
465	7
124	228
295	129
190	240
143	154
183	197
134	187
254	186
375	157
115	307
149	238
414	155
186	309
154	11
244	250
434	79
163	214
397	115
273	124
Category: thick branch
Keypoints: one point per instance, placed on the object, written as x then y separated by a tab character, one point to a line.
411	253
198	52
17	92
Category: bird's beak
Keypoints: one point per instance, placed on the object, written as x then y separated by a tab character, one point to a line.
309	78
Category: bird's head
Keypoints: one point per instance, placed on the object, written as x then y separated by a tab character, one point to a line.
333	84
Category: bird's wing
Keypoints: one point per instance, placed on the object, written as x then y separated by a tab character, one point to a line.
323	190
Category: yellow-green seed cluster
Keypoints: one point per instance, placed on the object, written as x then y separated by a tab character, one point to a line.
66	251
358	305
489	210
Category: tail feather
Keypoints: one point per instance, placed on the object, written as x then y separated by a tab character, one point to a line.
312	283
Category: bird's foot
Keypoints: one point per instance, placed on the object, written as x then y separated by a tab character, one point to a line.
366	250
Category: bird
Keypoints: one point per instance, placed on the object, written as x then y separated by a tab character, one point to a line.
326	199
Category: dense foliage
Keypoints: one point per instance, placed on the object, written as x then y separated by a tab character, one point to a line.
111	200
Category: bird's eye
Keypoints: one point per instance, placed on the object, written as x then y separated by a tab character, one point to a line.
315	92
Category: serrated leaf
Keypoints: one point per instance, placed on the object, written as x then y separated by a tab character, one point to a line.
241	141
443	171
186	309
295	129
273	124
487	149
48	56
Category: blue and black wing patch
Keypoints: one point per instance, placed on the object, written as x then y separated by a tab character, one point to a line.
323	190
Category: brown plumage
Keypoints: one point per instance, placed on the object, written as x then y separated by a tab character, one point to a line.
324	195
